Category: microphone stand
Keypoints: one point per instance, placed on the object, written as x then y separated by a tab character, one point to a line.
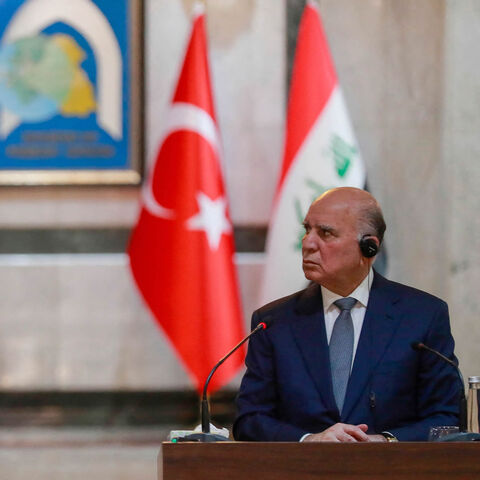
464	435
206	435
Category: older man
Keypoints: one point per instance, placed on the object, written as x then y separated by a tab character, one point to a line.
336	362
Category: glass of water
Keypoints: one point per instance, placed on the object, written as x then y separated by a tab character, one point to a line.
437	433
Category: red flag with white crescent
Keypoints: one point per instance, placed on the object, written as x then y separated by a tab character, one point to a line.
181	250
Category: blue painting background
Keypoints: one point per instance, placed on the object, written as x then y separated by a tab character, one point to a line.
117	14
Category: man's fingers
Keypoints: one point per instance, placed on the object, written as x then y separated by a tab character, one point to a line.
356	432
348	438
341	432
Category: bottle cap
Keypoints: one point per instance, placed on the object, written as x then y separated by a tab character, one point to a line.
473	379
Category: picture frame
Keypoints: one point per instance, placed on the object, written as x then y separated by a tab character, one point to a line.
71	92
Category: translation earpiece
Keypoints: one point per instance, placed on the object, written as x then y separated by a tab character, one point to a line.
368	246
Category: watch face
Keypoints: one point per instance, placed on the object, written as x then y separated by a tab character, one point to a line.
390	437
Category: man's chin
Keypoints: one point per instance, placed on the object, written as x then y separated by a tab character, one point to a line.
312	276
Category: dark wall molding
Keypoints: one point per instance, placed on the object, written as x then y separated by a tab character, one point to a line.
112	408
100	240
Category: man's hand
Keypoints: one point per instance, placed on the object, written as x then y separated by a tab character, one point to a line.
342	432
376	438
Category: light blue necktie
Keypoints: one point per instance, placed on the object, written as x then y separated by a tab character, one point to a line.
341	349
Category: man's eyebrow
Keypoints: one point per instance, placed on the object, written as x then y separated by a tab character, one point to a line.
324	227
319	226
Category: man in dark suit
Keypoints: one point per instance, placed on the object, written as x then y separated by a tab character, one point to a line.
336	363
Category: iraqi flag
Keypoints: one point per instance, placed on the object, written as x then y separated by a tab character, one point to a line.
181	251
321	152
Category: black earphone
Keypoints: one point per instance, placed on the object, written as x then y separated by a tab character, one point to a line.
368	246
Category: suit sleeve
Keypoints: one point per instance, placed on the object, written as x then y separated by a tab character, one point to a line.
257	401
438	386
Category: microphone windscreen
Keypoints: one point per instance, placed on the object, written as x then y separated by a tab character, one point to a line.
267	322
417	346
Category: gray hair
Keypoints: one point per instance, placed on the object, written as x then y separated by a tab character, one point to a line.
371	221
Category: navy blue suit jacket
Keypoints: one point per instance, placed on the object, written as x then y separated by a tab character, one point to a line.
287	392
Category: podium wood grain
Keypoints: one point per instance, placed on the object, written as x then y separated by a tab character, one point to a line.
320	461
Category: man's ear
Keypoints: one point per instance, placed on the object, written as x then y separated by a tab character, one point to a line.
369	245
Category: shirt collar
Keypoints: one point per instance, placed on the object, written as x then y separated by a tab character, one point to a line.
361	293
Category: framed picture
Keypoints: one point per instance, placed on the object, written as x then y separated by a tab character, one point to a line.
71	93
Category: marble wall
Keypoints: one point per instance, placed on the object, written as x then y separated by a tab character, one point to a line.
461	154
74	321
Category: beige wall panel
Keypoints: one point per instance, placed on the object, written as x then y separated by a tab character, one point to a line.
64	207
78	322
389	57
462	166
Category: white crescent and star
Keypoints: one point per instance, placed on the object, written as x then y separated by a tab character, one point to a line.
211	216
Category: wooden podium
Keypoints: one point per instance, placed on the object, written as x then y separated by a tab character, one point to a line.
319	461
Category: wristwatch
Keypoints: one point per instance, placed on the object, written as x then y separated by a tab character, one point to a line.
390	437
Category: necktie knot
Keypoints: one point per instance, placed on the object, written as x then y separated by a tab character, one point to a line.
345	303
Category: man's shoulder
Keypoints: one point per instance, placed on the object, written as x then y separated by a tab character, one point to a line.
401	291
304	301
281	304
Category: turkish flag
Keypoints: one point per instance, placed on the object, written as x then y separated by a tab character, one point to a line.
181	251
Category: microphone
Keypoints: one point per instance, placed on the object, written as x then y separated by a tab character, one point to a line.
206	436
421	346
464	435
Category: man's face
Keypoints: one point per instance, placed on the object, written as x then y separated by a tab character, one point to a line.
330	250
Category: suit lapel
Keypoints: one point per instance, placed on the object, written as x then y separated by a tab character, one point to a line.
310	335
379	326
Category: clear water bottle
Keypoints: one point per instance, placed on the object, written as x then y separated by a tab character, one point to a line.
472	404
